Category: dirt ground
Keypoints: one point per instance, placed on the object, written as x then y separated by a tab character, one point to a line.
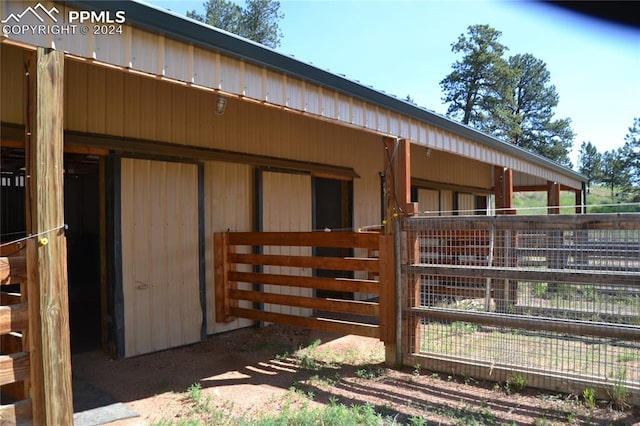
257	371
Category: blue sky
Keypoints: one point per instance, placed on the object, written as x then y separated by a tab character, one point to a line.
404	48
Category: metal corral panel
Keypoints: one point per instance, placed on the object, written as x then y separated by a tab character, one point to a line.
160	275
286	206
228	207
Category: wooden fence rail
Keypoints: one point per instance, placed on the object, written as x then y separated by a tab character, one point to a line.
230	258
15	358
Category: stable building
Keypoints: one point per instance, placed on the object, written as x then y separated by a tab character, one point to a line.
173	130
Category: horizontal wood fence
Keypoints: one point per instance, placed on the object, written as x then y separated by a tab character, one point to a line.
243	288
15	357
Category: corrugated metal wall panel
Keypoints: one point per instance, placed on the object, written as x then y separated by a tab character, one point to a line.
228	207
344	108
282	212
183	115
312	95
151	53
132	108
443	167
96	109
204	68
105	51
466	204
160	255
446	202
357	113
329	104
146	53
75	82
114	110
230	75
275	88
12	83
294	94
253	82
178	61
428	201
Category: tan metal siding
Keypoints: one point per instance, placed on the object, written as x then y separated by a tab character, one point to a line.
160	260
443	167
12	83
228	207
446	202
428	201
466	203
286	206
140	50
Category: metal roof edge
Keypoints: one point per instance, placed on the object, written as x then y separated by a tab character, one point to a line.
172	24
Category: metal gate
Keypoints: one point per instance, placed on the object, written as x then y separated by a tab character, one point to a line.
551	300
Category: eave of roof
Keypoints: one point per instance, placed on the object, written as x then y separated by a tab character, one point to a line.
179	27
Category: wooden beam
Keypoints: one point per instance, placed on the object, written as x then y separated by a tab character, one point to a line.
14	367
404	178
31	338
48	259
503	185
13	270
13	318
578	201
17	413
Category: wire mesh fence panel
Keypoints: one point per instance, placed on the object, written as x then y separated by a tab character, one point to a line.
555	298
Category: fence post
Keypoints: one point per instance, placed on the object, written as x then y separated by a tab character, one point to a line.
47	257
221	274
387	293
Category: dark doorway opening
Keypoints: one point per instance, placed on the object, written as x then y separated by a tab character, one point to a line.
82	215
332	211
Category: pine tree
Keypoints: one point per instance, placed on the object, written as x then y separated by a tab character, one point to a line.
259	21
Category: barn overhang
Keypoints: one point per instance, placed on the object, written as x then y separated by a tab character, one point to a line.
163	45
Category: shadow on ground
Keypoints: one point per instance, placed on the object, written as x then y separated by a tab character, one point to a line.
252	370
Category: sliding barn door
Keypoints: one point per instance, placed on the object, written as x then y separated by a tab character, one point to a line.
160	255
286	206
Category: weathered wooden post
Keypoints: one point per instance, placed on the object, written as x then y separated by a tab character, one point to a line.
504	290
555	257
46	255
397	196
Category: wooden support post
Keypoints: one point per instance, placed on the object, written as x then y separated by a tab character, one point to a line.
503	190
411	323
46	255
554	256
387	291
221	268
397	196
553	197
504	290
578	201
